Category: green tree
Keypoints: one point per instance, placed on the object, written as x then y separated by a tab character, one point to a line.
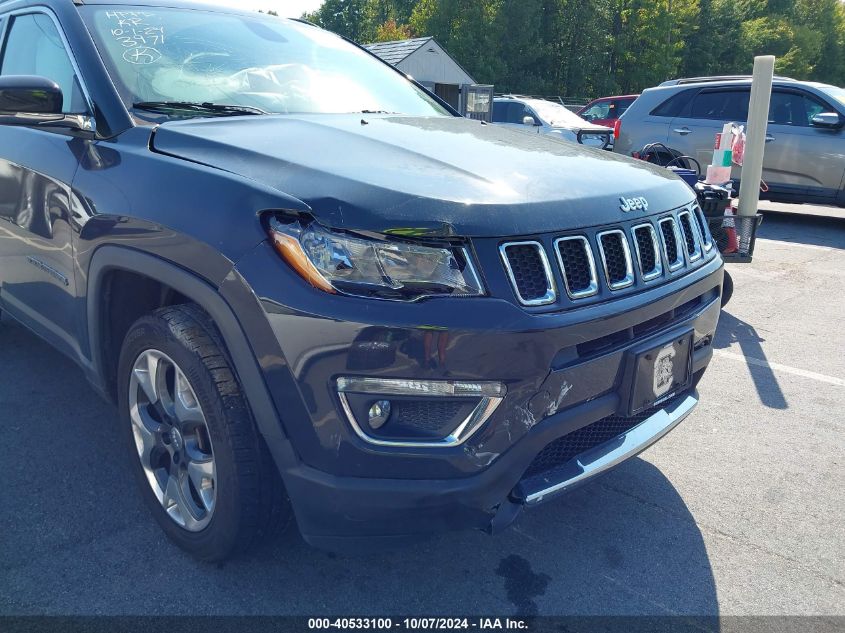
390	31
345	17
583	48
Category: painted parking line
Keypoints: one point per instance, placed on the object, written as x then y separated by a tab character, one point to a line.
815	247
795	371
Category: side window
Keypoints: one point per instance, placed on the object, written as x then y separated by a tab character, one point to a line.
813	106
621	106
526	111
794	108
674	105
34	47
787	108
599	110
721	105
509	112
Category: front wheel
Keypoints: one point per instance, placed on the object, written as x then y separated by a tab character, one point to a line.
203	469
727	289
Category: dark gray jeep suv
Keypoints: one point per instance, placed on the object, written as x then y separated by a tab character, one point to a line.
312	289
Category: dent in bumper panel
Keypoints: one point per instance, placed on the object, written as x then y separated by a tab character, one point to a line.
602	458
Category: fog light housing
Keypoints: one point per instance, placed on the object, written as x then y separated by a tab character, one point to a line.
418	413
379	414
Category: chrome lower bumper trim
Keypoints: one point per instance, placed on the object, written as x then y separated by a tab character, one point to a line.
604	457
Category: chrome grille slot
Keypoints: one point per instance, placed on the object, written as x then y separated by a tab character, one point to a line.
578	266
670	238
703	230
690	235
616	259
648	251
529	272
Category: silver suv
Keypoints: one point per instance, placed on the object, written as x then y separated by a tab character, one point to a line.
805	151
553	119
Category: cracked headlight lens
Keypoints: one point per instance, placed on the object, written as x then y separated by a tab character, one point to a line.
383	268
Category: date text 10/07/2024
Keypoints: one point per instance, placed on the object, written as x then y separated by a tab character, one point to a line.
436	624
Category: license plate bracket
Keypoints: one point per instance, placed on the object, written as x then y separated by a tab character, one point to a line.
660	372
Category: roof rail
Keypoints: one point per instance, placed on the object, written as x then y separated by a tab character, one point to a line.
714	78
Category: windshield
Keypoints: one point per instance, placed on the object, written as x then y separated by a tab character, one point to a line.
556	115
835	93
276	65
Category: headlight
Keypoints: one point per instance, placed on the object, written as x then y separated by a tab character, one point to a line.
354	265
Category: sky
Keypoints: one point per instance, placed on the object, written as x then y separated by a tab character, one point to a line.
288	8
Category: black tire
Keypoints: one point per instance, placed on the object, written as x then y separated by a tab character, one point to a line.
727	289
249	500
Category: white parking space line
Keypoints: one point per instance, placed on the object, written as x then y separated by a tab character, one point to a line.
814	247
795	371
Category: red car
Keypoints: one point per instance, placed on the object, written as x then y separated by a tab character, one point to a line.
606	110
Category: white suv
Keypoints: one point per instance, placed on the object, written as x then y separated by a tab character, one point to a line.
539	116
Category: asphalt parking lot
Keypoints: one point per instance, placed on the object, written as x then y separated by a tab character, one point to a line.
738	511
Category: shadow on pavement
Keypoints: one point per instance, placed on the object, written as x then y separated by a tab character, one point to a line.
803	229
734	331
77	539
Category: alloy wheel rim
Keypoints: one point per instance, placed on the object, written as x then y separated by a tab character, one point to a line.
173	440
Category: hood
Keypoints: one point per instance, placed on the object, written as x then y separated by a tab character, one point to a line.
441	175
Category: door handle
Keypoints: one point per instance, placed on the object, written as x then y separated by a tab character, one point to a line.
769	138
683	131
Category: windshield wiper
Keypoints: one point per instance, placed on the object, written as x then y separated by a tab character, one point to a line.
219	109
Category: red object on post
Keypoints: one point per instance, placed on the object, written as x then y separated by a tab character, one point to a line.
730	231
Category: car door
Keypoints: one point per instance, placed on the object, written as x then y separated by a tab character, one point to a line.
693	132
802	160
37	166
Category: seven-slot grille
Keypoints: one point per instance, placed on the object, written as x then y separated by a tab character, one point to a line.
669	235
616	258
668	244
579	269
690	237
529	271
703	230
648	251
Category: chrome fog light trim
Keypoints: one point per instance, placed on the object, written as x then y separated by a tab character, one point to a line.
490	396
410	387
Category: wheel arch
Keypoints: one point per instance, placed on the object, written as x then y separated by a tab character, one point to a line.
110	258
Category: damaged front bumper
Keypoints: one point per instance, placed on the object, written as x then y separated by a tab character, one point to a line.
562	374
336	511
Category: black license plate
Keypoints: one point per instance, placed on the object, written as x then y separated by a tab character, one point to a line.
661	373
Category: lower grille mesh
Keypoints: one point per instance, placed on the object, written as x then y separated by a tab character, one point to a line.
569	446
427	415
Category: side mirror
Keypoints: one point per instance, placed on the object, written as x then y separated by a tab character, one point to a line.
28	94
31	101
529	120
827	119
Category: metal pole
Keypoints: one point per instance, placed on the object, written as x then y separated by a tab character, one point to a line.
755	143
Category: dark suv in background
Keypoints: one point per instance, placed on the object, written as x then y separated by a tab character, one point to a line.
310	287
805	143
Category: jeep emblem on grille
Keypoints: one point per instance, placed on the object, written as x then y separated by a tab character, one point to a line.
633	204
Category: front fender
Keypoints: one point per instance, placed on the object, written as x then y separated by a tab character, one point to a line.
225	316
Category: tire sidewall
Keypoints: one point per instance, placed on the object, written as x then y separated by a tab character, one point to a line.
221	533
